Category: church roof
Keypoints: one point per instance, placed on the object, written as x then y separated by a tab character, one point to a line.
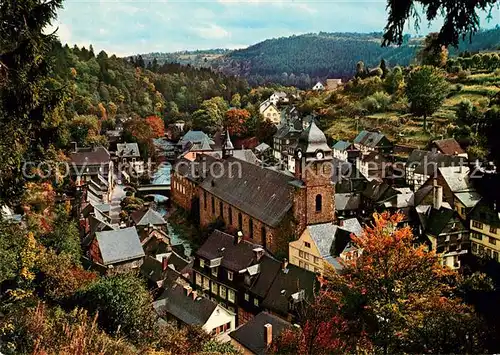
312	140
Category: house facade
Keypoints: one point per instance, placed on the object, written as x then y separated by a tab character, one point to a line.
485	230
269	111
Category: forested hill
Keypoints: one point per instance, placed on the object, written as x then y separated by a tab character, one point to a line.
304	59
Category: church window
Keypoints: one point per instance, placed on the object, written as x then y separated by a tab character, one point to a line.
319	202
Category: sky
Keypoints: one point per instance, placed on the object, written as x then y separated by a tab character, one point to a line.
125	27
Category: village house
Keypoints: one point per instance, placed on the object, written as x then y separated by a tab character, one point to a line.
269	111
278	97
257	335
320	244
340	150
164	271
485	230
318	86
449	146
333	84
374	165
422	165
117	251
193	137
367	142
184	306
286	136
269	206
88	163
128	153
446	232
146	218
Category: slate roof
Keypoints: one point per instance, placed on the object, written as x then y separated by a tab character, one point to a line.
119	245
313	139
152	269
347	201
183	307
287	282
89	156
341	145
421	194
442	221
262	193
378	190
331	239
195	137
241	154
468	198
270	268
204	145
252	334
262	147
449	146
426	162
195	170
235	256
369	139
127	150
484	212
456	177
145	217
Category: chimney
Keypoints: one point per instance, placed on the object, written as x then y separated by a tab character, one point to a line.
437	195
74	145
238	238
434	150
188	290
259	252
341	222
268	334
284	264
164	263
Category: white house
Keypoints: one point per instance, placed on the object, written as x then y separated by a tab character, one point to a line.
319	86
278	97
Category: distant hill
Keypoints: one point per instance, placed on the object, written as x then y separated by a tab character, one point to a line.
304	59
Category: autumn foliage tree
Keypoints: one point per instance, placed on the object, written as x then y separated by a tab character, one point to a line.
235	121
394	298
157	125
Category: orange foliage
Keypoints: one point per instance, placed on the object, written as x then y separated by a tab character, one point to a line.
235	121
157	125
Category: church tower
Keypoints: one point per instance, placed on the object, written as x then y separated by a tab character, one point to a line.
227	146
315	202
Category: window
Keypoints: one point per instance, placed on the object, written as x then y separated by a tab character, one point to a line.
488	252
215	270
202	263
301	253
250	228
198	279
222	291
477	236
316	260
230	214
213	205
206	283
247	297
493	230
240	221
230	275
230	295
474	247
495	255
214	288
221	209
301	264
319	202
306	256
256	302
307	244
492	241
477	225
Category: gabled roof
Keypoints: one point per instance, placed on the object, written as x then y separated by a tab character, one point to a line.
485	212
194	137
449	146
444	220
421	194
269	269
331	239
252	334
190	311
262	147
204	145
127	150
119	245
288	282
426	162
234	256
145	217
456	177
262	193
369	139
347	201
468	198
341	145
89	156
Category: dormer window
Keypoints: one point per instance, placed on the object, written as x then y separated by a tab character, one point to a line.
202	263
230	275
215	270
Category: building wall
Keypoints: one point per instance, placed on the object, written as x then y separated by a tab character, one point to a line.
305	255
219	317
182	191
485	240
254	234
272	114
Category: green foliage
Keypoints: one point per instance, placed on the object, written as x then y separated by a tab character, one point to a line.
378	102
214	346
426	89
122	303
11	245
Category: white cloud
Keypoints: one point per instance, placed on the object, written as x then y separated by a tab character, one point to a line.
212	31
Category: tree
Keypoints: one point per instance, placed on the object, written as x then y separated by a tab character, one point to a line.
394	81
383	66
394	297
433	53
235	121
140	131
30	101
123	304
157	126
460	18
236	101
426	89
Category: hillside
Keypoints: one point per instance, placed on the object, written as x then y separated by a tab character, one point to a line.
304	59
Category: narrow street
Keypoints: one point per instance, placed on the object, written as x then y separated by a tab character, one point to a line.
116	197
